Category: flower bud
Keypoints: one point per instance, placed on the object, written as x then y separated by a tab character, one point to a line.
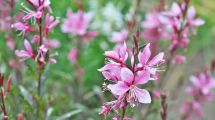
1	80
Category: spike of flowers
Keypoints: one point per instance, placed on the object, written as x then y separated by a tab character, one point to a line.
176	24
40	54
125	78
39	50
183	20
203	83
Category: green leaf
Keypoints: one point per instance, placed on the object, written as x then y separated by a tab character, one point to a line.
69	114
27	96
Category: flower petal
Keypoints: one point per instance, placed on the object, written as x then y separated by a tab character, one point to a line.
145	55
156	59
191	13
126	75
142	95
142	77
22	54
118	89
28	47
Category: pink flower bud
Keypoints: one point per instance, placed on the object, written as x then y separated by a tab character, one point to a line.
8	83
19	116
1	80
73	54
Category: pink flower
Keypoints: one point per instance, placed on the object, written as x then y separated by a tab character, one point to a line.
156	94
25	54
32	14
111	71
51	44
202	85
179	59
127	86
119	55
36	38
43	57
76	23
73	54
44	4
106	109
15	64
34	3
200	91
119	37
50	23
150	65
23	27
155	27
10	43
192	20
19	116
91	34
182	20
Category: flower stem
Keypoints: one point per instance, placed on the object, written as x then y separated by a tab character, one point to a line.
3	105
39	92
123	113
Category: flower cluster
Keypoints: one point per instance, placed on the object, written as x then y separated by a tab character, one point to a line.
200	92
125	78
4	93
176	24
183	20
41	27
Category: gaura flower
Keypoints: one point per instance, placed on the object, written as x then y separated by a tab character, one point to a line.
50	23
127	86
25	54
23	27
146	63
76	23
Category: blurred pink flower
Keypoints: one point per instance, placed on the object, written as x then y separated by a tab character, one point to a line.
156	94
19	116
179	59
43	4
73	54
202	85
119	37
51	43
15	64
10	43
36	38
155	27
76	23
182	21
200	91
192	20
